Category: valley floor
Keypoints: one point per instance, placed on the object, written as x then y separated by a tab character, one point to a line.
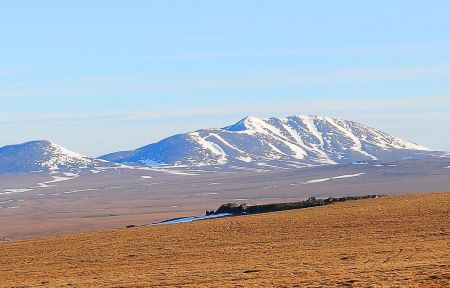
394	241
32	205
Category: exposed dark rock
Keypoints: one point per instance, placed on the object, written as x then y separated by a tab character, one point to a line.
232	208
240	209
252	271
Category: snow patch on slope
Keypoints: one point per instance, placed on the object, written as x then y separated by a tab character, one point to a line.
305	140
193	218
333	178
43	155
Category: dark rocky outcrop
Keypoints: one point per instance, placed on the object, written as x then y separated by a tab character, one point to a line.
232	208
241	209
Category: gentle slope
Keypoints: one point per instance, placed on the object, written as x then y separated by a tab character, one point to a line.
390	241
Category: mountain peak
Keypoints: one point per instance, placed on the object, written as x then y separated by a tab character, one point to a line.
40	155
246	123
37	143
304	139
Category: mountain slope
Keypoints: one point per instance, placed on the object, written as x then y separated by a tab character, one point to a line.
302	139
42	155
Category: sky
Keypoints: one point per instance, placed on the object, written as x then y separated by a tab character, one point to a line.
102	76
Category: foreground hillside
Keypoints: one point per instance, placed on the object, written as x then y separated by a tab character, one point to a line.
390	241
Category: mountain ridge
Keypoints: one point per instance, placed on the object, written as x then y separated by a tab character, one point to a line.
308	139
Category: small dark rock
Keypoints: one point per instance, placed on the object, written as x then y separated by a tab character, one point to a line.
252	271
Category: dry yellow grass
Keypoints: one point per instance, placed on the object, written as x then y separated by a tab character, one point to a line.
400	241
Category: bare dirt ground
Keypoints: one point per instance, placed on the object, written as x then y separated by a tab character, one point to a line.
394	241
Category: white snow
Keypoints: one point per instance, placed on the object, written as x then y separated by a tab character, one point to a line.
348	176
309	122
317	180
155	183
56	179
192	218
333	178
249	169
357	146
360	163
260	125
172	171
147	177
43	155
167	169
298	147
276	153
69	176
246	159
308	140
80	190
60	157
226	143
43	185
16	190
312	129
271	166
211	146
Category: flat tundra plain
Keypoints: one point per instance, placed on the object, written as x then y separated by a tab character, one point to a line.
115	198
392	241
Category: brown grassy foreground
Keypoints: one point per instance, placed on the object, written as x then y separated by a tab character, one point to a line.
401	241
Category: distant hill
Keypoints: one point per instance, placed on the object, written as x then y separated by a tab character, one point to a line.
297	139
43	155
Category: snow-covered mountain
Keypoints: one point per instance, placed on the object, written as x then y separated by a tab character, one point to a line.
299	139
43	155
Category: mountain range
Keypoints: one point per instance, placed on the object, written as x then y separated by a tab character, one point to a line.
302	140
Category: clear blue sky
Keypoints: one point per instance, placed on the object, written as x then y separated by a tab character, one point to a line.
101	76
